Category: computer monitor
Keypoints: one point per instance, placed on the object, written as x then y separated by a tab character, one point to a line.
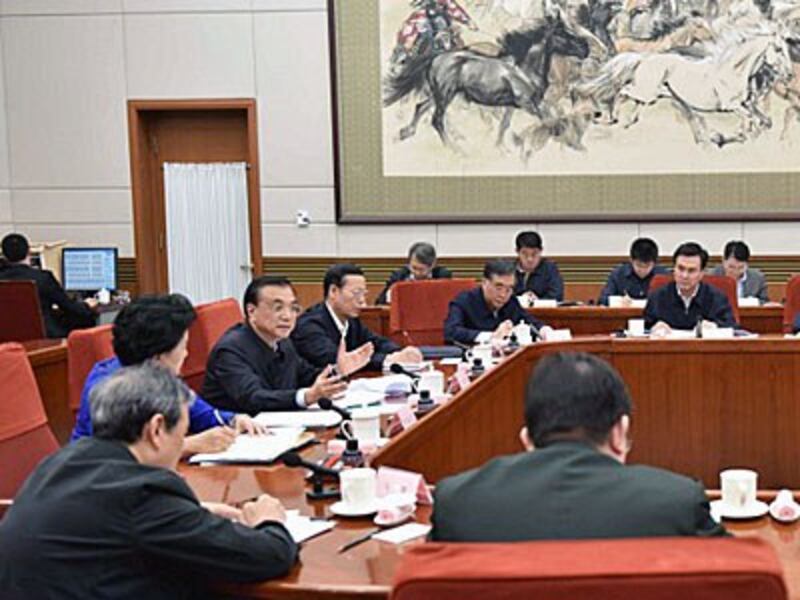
89	269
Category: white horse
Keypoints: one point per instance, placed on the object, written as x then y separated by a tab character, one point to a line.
726	81
526	10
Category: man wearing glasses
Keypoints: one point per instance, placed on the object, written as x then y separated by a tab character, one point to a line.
332	328
254	367
488	313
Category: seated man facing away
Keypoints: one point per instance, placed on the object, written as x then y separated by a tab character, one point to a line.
107	516
685	301
332	326
632	279
536	276
156	328
421	265
571	482
17	267
254	367
750	283
489	312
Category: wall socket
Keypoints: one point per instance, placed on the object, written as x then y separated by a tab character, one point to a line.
303	218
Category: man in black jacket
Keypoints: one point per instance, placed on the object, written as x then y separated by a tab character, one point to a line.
254	367
421	265
332	327
572	482
107	516
686	301
17	267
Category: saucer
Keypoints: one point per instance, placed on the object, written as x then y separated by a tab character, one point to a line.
392	522
750	511
340	509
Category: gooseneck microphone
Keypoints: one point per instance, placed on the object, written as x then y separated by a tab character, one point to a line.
327	404
401	370
294	460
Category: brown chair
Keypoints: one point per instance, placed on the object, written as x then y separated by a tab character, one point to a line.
85	347
725	284
25	436
792	305
419	309
629	569
20	312
213	319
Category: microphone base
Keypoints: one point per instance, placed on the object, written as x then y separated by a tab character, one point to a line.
323	494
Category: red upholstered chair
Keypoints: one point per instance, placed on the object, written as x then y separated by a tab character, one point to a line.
20	313
419	308
725	284
630	569
792	305
213	319
85	347
25	436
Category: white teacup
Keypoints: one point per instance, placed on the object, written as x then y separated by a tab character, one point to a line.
358	488
738	487
636	326
482	351
616	301
364	426
433	381
524	300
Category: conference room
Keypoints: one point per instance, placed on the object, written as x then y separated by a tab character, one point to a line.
336	199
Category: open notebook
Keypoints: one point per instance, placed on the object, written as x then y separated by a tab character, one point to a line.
258	448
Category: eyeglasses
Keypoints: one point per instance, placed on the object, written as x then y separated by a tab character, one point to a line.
280	307
358	294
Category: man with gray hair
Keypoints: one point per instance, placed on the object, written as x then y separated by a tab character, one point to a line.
421	265
107	516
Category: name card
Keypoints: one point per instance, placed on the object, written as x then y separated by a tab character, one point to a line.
559	335
399	481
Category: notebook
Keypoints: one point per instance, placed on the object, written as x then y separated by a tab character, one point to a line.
258	448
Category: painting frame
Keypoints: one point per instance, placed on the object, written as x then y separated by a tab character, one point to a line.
365	195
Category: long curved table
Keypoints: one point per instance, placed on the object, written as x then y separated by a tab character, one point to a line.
699	406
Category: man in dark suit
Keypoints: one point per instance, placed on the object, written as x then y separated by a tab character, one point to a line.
536	276
17	267
572	481
421	265
332	327
254	367
632	279
489	312
108	517
686	301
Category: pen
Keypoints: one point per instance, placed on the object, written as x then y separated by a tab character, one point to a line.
367	405
219	418
359	540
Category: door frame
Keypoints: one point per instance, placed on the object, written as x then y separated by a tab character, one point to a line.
149	214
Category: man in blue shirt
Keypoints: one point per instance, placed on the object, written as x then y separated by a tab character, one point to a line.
632	279
687	300
488	313
536	276
156	328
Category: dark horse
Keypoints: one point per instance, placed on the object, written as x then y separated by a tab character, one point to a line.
517	78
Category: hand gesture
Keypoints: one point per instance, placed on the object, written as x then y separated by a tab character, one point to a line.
350	362
216	439
327	385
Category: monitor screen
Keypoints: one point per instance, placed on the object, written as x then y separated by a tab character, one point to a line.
89	269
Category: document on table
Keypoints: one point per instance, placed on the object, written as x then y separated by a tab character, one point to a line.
258	448
302	528
313	417
402	534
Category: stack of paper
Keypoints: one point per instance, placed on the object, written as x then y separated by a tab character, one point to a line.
302	528
257	448
313	417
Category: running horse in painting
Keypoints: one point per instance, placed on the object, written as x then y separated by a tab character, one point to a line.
515	79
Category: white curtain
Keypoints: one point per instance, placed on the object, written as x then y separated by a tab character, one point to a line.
208	239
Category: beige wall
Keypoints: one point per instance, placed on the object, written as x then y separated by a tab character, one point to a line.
70	65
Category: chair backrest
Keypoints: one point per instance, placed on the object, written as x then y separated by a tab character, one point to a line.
85	347
792	305
652	568
725	284
21	314
213	319
25	436
419	309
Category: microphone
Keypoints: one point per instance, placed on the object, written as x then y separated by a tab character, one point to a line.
401	370
327	404
293	460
